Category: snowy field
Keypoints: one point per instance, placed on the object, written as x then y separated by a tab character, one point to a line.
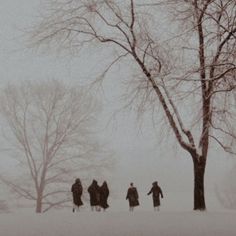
65	223
175	219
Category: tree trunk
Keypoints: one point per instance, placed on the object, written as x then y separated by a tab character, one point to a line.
199	196
39	204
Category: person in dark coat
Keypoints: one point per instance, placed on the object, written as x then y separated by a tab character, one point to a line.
77	191
104	193
94	193
156	193
132	196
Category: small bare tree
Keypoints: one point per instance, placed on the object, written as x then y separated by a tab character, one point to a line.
50	129
191	74
3	207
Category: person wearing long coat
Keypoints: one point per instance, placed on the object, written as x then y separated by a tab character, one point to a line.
132	196
77	191
94	193
156	193
104	193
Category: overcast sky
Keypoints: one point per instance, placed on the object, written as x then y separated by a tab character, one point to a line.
142	158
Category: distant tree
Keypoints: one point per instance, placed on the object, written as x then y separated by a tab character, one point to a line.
50	128
3	207
188	69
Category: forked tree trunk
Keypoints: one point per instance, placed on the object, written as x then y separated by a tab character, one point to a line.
199	196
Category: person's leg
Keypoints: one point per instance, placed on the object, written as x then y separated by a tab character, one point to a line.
77	209
74	207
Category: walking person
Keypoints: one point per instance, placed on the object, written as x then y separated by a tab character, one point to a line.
94	194
104	193
132	196
77	191
156	193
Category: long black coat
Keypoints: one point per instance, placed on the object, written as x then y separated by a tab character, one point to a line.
104	193
94	194
77	191
132	196
156	193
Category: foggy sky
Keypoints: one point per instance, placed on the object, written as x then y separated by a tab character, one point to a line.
141	157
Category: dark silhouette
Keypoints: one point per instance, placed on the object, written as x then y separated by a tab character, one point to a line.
156	192
77	191
132	196
104	193
94	193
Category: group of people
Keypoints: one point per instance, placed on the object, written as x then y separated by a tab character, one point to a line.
132	196
99	195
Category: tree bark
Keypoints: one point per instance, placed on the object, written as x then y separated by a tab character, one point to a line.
199	196
39	204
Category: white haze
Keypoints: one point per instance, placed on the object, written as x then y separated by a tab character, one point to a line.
141	157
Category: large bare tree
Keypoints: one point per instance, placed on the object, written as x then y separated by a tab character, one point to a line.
185	52
50	128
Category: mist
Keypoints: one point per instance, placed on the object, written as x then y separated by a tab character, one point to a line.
142	150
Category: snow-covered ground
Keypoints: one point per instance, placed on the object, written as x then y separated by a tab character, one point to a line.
85	223
175	218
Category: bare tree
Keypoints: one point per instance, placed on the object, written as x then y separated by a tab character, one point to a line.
190	74
3	207
50	127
